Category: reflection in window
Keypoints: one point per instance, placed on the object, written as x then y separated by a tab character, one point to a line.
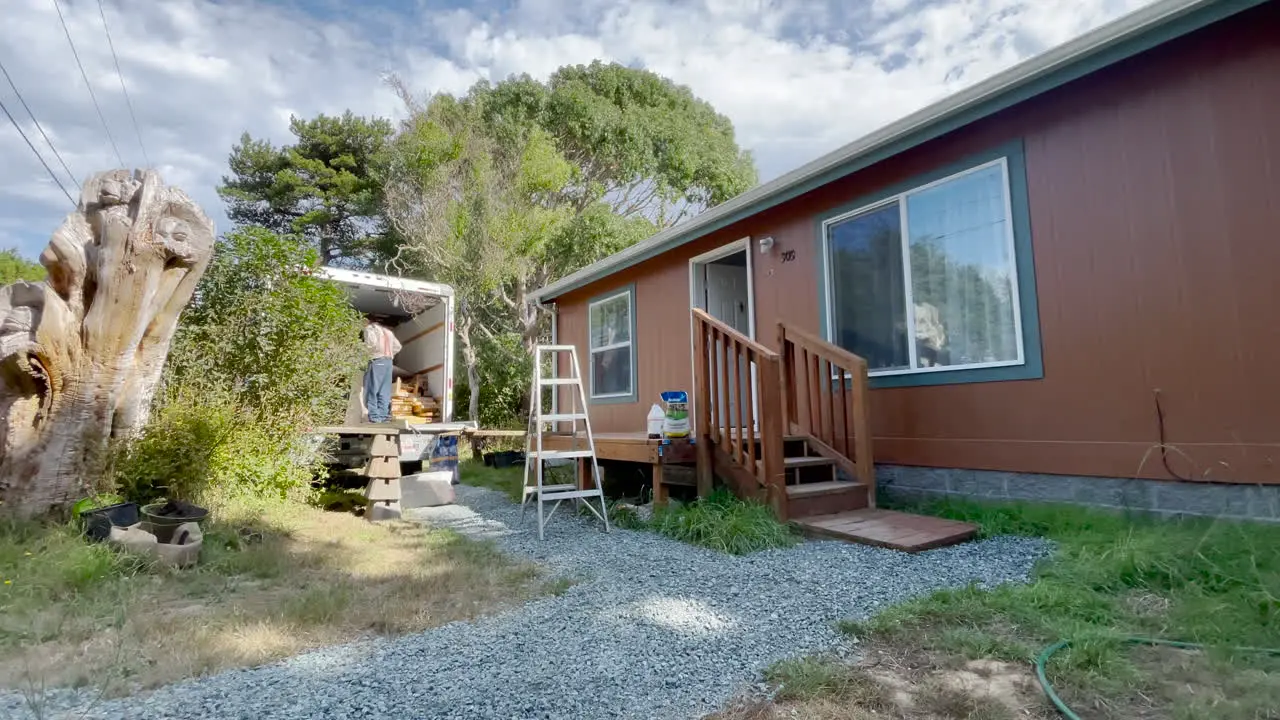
610	344
957	276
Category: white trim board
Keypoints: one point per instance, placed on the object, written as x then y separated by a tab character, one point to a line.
724	251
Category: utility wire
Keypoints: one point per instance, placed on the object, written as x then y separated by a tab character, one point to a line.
37	152
84	75
127	101
32	115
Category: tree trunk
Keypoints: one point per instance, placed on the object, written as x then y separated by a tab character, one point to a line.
472	363
81	353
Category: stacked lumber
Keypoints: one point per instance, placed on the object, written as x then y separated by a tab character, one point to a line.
411	402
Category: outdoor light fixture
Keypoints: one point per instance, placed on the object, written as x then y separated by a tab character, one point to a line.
766	243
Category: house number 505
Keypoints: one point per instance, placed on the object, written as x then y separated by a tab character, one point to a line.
788	255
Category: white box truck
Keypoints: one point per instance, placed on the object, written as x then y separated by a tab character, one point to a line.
420	314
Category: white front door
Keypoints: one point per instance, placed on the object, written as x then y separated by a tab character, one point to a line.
728	299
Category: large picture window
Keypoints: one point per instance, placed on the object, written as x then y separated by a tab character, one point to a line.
611	344
926	280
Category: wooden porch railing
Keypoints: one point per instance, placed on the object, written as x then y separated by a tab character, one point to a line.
731	374
825	397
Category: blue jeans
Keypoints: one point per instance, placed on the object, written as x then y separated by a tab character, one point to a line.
377	390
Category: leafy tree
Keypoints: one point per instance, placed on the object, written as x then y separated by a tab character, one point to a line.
325	186
264	350
285	342
14	267
507	188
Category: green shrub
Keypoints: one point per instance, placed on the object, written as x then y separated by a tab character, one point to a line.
264	351
723	522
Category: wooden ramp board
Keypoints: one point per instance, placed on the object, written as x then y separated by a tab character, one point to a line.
889	529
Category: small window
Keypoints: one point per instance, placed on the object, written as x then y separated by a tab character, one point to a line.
926	280
612	360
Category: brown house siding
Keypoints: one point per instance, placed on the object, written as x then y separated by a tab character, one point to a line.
1154	193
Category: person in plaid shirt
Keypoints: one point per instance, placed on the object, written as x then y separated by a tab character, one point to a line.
383	345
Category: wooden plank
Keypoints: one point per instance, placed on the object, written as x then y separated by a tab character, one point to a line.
828	408
364	429
862	431
751	420
886	528
772	472
787	366
678	452
736	395
424	333
623	448
842	427
426	370
659	488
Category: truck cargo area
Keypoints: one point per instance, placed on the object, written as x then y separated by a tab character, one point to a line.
420	314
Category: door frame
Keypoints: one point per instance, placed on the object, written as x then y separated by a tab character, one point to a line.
733	248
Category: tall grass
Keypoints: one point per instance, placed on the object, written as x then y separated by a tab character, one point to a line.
722	522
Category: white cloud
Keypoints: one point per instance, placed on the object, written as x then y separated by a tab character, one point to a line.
797	77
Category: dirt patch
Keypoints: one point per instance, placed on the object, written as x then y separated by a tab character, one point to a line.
308	578
897	682
893	683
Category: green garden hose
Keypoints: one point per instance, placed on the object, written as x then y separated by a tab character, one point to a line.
1068	712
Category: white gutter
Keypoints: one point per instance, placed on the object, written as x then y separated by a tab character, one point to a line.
1124	28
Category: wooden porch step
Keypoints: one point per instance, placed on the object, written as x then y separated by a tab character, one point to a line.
887	528
809	461
825	498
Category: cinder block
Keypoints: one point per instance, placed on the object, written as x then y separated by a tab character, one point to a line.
383	489
427	489
383	467
382	511
1202	499
385	446
1039	488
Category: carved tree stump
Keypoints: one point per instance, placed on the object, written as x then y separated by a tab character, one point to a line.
81	353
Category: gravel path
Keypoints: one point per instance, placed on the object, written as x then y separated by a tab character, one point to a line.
654	629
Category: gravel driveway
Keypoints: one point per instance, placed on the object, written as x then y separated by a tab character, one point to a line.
654	629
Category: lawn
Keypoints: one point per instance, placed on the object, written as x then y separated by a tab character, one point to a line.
275	579
968	653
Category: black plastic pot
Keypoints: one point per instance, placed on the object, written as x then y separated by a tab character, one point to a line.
507	458
488	459
164	525
99	521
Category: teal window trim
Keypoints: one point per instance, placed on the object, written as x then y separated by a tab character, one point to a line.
1032	366
630	291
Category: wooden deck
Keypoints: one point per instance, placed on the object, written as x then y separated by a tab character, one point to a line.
889	529
634	447
625	447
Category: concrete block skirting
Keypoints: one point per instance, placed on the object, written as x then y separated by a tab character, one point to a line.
1160	497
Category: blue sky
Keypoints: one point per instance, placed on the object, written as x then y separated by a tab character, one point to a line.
797	77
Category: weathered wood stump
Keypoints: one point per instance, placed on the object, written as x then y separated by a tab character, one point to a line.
81	353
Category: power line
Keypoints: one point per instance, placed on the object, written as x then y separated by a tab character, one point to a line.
120	75
37	152
84	75
32	115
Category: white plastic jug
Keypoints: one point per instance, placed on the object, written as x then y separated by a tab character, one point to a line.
656	417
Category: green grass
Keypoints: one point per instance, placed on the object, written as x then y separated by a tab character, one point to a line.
722	522
1112	576
812	678
507	481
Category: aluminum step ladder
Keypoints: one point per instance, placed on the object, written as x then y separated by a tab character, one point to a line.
535	455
